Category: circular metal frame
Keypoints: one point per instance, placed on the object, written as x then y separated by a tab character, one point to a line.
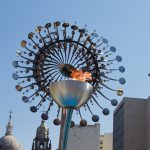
51	54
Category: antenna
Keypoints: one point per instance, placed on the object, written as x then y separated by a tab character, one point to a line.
10	112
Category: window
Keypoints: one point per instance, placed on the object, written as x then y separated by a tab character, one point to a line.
101	141
41	146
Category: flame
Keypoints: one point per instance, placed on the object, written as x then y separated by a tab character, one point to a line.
81	75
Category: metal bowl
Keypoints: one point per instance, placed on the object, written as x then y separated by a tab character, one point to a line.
70	93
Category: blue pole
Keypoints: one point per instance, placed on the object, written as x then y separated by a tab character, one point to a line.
66	128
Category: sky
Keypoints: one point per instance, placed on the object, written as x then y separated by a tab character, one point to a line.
124	23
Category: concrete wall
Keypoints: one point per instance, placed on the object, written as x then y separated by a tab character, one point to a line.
135	124
101	142
84	138
107	141
148	124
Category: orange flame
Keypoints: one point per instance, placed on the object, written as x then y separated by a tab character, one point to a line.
81	75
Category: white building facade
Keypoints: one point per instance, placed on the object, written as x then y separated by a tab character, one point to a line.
84	138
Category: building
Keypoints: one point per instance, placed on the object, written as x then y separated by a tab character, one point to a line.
132	125
9	142
106	141
84	138
41	141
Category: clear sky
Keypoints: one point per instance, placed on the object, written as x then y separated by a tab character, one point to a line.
125	23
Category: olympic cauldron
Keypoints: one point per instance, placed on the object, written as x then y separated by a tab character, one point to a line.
70	94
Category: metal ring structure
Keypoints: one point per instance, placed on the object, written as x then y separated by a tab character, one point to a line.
52	52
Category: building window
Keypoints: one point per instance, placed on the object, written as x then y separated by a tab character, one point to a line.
101	141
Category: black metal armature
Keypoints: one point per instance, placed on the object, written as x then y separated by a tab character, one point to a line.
53	52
